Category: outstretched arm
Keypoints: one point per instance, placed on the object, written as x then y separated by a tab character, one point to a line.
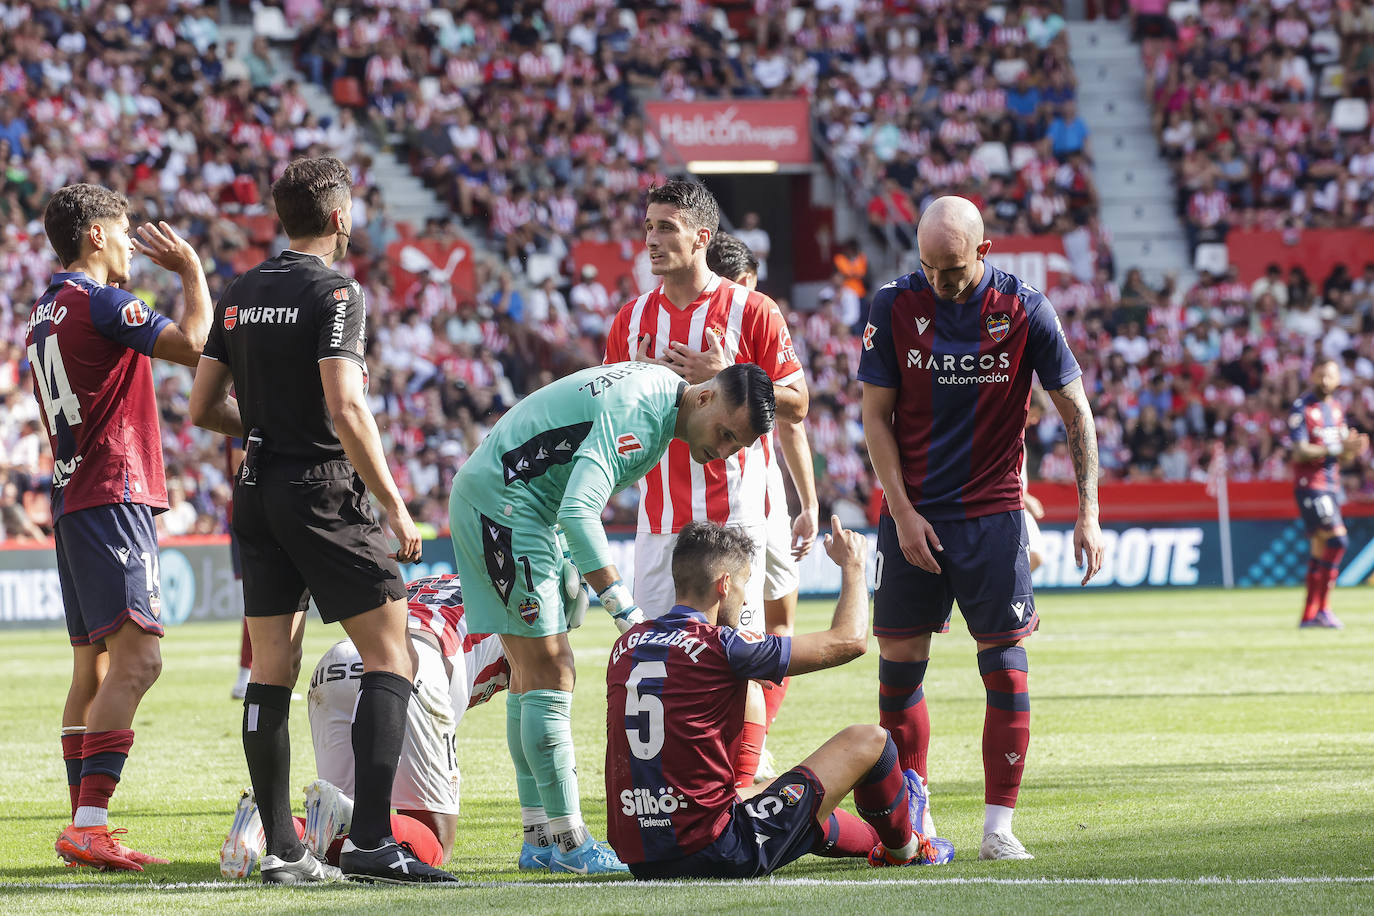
1072	403
847	637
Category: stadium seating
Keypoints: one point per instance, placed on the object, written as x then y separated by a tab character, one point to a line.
503	114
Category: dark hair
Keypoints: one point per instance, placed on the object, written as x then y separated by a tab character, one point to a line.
697	205
307	192
747	384
705	550
730	257
72	210
1322	361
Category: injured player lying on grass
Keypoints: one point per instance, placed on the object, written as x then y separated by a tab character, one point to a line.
455	672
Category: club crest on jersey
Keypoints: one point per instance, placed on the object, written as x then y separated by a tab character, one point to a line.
998	326
627	444
134	314
529	610
231	317
869	331
792	793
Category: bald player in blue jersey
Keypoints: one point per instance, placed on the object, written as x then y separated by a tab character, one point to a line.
947	359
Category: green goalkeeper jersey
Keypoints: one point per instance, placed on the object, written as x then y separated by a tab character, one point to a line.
559	455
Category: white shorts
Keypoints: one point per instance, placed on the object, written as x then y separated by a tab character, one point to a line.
1035	541
654	591
781	573
427	777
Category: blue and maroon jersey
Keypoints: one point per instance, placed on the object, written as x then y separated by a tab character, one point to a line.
963	376
675	691
89	347
1319	421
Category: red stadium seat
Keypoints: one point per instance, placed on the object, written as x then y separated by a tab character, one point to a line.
348	92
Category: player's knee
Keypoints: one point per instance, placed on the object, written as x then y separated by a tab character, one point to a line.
1035	559
915	649
141	671
868	741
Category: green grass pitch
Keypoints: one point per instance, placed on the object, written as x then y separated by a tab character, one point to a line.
1191	751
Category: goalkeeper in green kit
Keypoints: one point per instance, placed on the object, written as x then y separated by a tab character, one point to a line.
551	464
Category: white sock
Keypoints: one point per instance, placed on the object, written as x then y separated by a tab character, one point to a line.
536	824
91	816
568	832
912	846
997	818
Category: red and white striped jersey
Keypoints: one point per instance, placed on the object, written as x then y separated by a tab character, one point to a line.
729	491
434	604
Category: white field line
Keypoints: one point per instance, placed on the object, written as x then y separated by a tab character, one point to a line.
1206	881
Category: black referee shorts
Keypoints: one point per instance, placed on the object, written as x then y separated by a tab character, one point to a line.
307	529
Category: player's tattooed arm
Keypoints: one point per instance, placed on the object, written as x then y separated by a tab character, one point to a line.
1072	403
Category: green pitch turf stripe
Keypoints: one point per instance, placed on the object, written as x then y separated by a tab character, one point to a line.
773	882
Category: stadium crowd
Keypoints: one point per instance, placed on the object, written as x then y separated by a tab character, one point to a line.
149	99
1264	110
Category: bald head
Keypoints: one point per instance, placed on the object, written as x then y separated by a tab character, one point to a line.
950	222
951	243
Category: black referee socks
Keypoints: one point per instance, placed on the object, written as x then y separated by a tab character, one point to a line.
267	748
379	728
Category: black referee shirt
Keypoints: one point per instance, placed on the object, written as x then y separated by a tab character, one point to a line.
273	326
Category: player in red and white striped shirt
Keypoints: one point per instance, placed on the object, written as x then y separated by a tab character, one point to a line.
456	671
698	323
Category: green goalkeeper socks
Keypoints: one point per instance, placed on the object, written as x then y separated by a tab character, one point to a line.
526	788
546	732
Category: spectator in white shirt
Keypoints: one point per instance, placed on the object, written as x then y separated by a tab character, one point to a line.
841	301
1132	345
547	303
756	237
590	302
770	70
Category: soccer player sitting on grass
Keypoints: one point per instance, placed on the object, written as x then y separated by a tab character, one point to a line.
675	696
455	672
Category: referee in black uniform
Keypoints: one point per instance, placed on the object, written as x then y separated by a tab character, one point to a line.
288	335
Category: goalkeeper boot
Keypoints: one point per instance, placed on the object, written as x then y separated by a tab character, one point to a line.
591	858
535	858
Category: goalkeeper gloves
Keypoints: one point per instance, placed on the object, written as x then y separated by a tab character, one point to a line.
620	604
575	601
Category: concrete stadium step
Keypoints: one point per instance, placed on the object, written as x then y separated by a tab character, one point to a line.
1135	182
1158	213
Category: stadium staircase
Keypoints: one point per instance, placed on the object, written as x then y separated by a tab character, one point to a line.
407	198
1134	181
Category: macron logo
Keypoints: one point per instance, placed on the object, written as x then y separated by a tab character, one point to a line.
1020	608
1013	758
922	324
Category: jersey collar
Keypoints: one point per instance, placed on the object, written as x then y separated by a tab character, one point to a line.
301	254
711	286
682	610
